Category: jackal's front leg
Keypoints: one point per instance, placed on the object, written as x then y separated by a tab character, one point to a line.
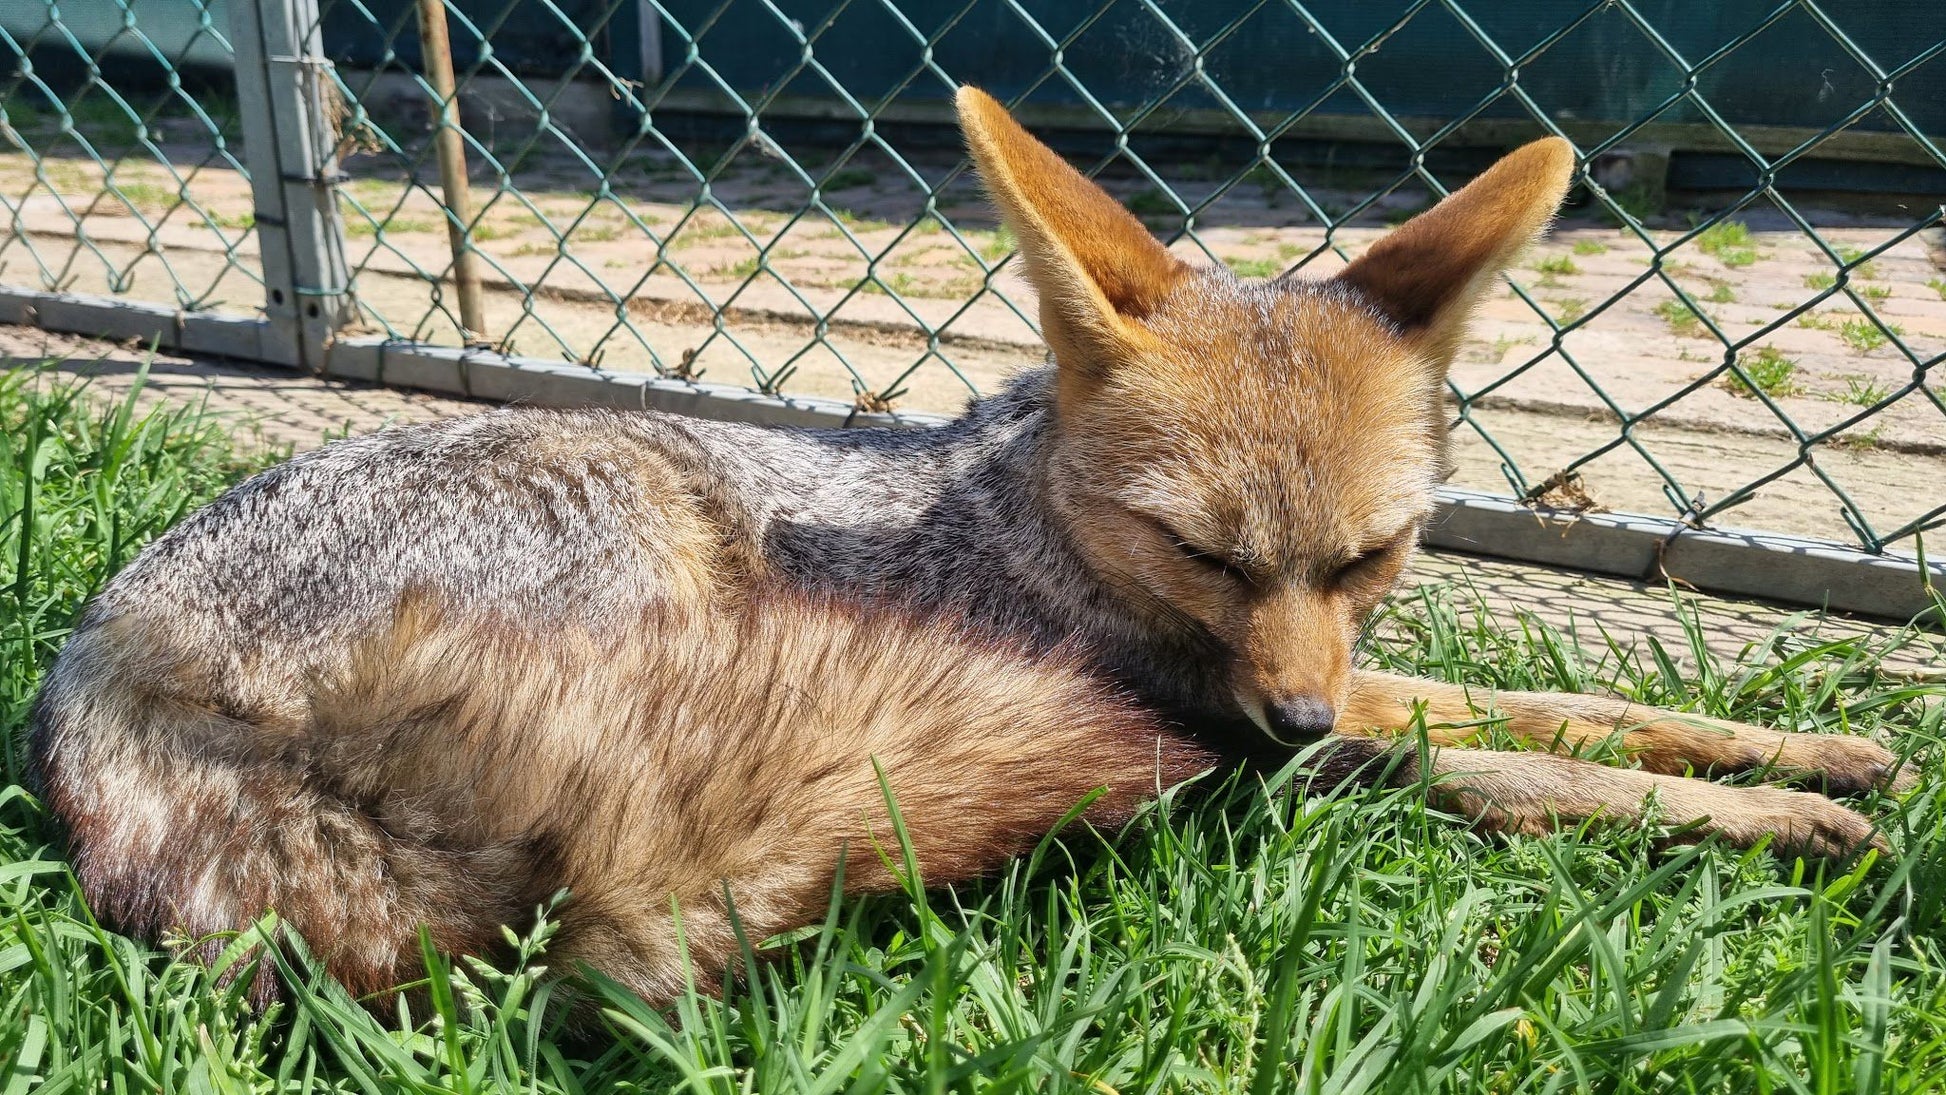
1521	792
1666	742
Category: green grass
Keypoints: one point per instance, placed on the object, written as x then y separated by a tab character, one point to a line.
1681	319
738	270
601	232
702	226
860	224
1233	940
1502	344
360	227
1860	440
370	191
902	283
1824	280
998	245
1729	241
1861	391
1851	257
1770	372
148	197
1557	265
1864	336
1590	247
104	122
237	221
1256	268
67	178
1937	285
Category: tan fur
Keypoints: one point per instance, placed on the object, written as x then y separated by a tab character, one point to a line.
1532	793
1428	274
716	760
1097	271
1667	742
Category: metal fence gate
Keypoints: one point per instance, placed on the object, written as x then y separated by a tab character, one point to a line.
758	209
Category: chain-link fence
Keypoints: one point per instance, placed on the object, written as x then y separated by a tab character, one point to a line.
1738	320
124	187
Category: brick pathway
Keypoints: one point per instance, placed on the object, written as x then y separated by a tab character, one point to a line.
271	408
285	410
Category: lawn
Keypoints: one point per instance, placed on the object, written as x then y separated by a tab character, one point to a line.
1247	939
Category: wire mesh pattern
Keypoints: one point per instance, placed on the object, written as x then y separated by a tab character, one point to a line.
119	153
770	193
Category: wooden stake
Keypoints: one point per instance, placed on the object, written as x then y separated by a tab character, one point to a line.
450	145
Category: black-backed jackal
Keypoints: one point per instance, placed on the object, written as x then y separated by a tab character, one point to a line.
432	675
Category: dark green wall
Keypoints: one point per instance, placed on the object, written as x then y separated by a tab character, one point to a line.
1606	68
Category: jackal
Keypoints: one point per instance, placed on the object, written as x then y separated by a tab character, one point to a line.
430	675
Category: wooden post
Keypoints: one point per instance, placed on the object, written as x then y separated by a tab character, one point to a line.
437	56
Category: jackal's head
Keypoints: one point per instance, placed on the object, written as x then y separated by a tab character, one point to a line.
1252	460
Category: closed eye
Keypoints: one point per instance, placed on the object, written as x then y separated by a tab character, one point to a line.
1216	561
1366	562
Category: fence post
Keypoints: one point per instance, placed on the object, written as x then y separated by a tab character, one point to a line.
290	142
436	53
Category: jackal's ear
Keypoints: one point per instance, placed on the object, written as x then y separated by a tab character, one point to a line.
1428	274
1096	269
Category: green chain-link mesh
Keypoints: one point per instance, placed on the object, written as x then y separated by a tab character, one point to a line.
784	200
102	178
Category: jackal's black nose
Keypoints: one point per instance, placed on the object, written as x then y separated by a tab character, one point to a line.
1301	718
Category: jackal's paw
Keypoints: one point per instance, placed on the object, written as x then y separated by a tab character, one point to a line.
1840	764
1799	822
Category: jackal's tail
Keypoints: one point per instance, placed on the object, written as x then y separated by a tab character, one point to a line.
461	769
186	822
